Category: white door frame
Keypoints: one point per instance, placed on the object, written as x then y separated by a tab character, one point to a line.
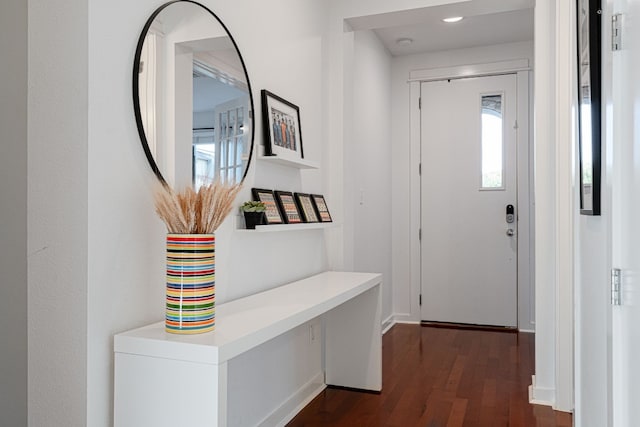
526	296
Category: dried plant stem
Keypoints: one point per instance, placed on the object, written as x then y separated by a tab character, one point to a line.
190	212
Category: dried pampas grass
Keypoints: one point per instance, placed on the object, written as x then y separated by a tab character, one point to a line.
191	212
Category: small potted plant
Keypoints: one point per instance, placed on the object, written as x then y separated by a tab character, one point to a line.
253	214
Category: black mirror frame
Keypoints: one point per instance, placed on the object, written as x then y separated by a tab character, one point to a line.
136	88
595	43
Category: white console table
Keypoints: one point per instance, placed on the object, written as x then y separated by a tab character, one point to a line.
150	363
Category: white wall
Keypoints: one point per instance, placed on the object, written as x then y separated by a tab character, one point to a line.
13	211
405	292
367	166
131	265
591	345
97	249
57	241
593	254
248	404
339	105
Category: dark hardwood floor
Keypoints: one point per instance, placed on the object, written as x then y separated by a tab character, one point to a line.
437	377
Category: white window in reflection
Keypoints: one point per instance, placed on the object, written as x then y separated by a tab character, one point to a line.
492	142
230	144
218	154
204	154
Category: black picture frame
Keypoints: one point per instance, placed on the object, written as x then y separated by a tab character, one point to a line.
281	127
589	26
288	207
320	204
272	212
306	207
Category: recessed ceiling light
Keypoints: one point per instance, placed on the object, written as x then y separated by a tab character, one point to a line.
453	19
404	41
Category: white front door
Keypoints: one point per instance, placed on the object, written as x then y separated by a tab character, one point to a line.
469	249
625	169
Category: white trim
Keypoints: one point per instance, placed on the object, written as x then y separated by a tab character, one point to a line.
295	403
541	395
471	70
527	331
407	322
415	261
387	324
565	99
555	206
404	318
613	80
396	319
545	206
525	213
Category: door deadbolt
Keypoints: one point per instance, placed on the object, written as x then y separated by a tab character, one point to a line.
511	216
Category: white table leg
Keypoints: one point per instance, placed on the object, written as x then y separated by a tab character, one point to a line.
353	351
221	401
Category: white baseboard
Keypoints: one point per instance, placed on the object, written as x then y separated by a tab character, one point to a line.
540	395
294	404
403	318
397	318
408	322
387	324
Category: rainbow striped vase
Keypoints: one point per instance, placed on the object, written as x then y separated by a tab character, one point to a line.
191	283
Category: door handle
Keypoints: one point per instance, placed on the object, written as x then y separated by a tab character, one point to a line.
510	232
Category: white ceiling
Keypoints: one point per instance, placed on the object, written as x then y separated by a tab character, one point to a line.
485	22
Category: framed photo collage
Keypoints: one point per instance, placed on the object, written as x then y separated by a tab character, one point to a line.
285	207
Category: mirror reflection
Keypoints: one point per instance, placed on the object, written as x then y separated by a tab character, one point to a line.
585	107
193	98
589	59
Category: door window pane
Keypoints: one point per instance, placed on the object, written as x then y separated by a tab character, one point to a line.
492	142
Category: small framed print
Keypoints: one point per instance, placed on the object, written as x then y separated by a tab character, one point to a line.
305	205
321	208
282	132
267	197
288	207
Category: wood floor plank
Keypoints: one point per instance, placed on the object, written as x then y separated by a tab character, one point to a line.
458	411
439	377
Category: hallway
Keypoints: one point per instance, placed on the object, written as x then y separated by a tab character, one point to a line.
436	377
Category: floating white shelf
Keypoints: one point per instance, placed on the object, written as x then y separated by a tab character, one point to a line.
289	227
300	164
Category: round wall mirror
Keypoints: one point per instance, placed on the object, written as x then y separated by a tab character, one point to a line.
192	97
